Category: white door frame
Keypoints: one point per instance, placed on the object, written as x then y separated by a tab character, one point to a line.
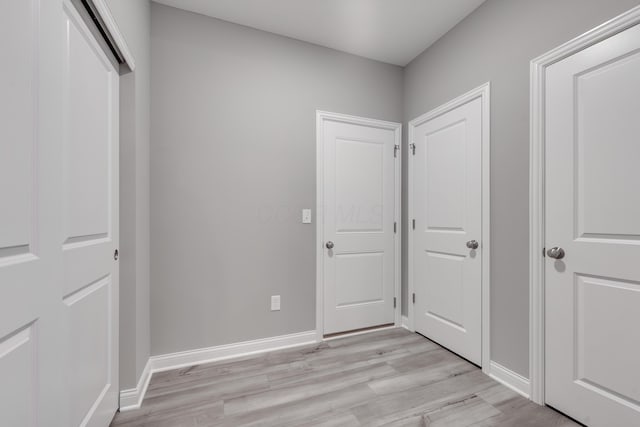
482	92
321	116
114	31
536	186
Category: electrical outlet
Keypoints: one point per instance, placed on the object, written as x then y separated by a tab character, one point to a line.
275	302
306	216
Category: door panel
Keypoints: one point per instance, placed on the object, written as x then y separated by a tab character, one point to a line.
359	186
359	278
444	297
592	297
90	184
89	315
447	200
18	128
359	213
31	348
608	111
18	362
445	158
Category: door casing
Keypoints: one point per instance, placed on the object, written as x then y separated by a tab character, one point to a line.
482	92
321	116
536	186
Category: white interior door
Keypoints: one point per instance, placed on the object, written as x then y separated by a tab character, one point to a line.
446	225
90	224
592	295
30	307
359	211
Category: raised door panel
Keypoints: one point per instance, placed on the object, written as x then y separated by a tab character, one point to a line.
445	163
89	314
608	149
445	294
359	279
602	334
18	369
88	148
359	186
18	128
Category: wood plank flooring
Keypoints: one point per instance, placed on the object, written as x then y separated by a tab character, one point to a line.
384	378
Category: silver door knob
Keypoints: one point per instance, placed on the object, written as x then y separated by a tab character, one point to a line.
556	252
329	244
472	244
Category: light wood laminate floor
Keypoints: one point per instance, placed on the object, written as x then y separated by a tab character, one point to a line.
389	377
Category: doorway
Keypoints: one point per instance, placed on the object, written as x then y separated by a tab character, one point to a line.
585	233
358	223
449	225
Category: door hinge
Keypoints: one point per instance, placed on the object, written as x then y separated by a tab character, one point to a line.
116	255
544	252
413	222
396	148
395	227
413	148
394	302
414	297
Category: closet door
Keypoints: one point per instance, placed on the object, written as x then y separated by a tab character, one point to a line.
32	387
90	225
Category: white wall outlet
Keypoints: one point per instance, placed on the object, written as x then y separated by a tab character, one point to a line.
275	302
306	216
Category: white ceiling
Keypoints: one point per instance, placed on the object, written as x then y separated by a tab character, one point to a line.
392	31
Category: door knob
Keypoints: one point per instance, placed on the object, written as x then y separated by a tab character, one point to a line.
472	244
556	252
329	244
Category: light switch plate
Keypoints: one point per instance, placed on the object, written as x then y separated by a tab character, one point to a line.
306	216
275	302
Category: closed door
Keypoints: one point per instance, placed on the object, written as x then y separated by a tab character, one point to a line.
359	204
446	224
90	225
592	236
31	346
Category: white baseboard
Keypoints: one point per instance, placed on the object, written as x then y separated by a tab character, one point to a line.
405	323
167	362
132	398
514	381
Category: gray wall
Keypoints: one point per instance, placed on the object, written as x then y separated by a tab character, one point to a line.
232	165
134	20
495	43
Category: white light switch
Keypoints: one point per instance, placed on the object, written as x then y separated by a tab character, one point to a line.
306	216
275	302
